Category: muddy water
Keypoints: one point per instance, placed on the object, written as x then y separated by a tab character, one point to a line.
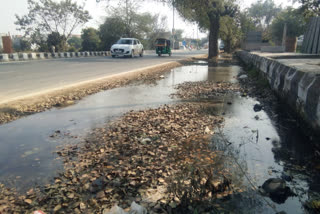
264	146
28	145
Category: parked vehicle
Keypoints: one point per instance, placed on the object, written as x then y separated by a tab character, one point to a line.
163	46
127	47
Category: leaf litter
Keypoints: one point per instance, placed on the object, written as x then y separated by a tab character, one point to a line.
159	158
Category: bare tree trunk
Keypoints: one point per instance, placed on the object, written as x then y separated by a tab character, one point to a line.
214	36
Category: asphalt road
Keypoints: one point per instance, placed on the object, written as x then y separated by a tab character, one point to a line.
21	79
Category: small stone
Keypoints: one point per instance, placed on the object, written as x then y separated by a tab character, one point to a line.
257	107
244	76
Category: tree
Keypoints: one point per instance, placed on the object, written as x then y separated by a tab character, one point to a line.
230	33
56	40
246	23
75	43
48	16
22	45
263	12
295	24
207	13
127	22
90	39
40	40
310	8
110	31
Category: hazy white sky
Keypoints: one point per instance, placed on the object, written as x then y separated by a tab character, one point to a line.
97	10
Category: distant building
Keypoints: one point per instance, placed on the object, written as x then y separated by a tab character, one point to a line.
1	35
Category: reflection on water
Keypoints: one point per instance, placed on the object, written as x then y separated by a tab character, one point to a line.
28	145
264	148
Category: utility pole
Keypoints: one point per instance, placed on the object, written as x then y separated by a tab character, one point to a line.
127	19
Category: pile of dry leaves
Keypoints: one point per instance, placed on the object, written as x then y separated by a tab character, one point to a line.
159	158
205	89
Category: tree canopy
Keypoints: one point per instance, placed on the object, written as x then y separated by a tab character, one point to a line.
310	8
263	12
48	16
207	14
90	39
126	21
295	24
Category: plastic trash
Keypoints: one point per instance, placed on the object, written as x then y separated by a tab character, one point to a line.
137	209
38	212
114	210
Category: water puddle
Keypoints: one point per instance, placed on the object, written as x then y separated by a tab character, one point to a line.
28	145
264	147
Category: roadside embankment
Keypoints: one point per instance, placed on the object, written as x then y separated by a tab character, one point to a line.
294	77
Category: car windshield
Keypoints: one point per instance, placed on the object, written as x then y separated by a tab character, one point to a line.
125	42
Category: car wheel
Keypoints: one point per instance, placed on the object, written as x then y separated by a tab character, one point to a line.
170	54
159	54
113	56
132	54
141	54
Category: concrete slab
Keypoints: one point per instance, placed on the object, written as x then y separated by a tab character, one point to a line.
303	65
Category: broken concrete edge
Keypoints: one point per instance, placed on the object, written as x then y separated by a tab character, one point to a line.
45	55
298	89
24	106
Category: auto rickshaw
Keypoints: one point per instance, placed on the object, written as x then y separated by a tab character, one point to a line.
163	46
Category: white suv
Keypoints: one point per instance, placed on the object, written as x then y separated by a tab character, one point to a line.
127	47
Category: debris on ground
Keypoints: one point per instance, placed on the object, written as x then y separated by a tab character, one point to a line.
158	158
205	90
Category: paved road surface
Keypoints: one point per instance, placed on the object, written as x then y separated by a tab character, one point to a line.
19	79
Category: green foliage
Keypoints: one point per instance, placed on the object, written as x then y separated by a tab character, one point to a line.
310	8
74	43
127	22
90	39
56	40
230	33
22	45
40	40
48	16
245	22
263	12
110	31
207	14
295	24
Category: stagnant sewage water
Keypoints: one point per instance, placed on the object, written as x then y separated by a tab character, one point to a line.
265	147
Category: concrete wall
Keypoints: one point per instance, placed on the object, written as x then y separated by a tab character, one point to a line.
38	56
299	89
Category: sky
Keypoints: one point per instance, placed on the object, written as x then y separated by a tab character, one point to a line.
97	10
